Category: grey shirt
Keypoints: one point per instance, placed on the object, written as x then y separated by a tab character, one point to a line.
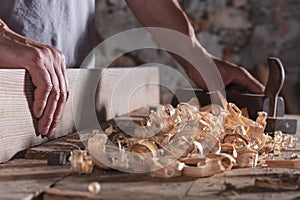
67	25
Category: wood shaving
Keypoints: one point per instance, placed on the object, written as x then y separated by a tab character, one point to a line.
294	156
190	141
94	187
81	162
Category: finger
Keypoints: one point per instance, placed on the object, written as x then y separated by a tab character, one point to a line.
48	115
63	67
60	59
42	81
61	102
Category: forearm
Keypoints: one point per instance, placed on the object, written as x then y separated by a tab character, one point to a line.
11	54
164	14
6	33
168	14
2	25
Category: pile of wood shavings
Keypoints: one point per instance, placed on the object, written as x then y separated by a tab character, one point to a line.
189	141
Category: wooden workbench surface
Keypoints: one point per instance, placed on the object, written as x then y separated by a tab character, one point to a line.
29	177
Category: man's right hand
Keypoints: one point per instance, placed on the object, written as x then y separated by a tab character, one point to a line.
46	66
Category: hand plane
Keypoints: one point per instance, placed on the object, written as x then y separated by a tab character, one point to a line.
268	102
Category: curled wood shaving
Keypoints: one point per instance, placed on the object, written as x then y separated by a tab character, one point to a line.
229	149
294	156
206	168
192	160
94	188
173	170
215	109
190	141
227	161
81	162
247	157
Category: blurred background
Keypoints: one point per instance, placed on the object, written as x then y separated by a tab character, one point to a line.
245	32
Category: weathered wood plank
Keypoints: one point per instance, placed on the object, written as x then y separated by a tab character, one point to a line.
17	130
239	183
64	144
118	185
27	169
23	189
26	179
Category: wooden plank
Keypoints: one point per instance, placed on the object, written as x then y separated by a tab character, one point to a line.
64	144
26	179
118	185
23	189
240	184
292	164
48	196
17	130
26	169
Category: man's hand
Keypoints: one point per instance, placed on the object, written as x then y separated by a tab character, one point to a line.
238	79
46	67
235	78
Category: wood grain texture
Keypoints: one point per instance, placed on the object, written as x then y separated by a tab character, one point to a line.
91	98
117	185
26	179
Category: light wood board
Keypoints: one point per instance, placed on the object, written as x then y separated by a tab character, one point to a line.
94	94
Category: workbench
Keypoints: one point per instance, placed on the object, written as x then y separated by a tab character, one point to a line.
28	176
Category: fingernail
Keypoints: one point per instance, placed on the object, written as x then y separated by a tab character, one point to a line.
38	115
50	133
45	131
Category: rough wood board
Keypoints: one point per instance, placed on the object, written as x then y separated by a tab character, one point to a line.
27	169
236	183
26	179
63	144
48	196
17	130
23	189
117	185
